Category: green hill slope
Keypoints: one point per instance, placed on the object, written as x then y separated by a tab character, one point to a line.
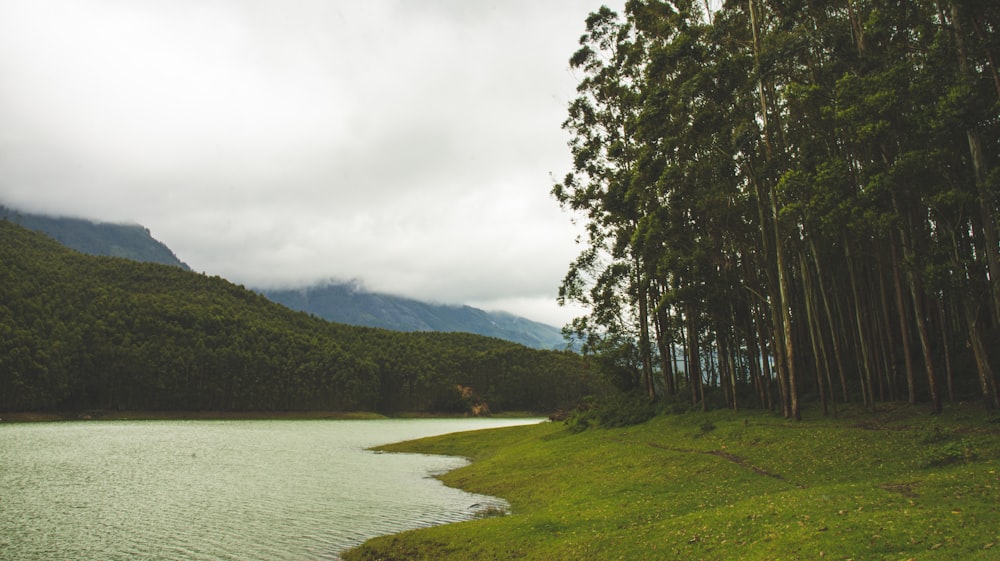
339	302
80	332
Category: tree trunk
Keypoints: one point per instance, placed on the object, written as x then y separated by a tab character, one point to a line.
888	344
917	294
663	343
694	359
754	356
765	361
987	380
904	327
866	366
645	349
946	350
815	337
834	338
782	305
786	314
773	300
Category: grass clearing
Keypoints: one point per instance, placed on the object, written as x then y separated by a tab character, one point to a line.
895	485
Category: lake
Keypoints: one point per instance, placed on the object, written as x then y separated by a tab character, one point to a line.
220	490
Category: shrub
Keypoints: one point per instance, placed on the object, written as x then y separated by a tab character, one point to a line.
949	453
622	410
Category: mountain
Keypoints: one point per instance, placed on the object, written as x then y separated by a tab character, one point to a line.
344	303
350	303
130	241
80	332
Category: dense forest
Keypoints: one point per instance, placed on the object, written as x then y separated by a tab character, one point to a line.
80	332
789	200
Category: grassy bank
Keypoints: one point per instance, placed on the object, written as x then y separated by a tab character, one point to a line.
896	485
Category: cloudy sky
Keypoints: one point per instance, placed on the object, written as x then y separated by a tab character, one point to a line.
408	144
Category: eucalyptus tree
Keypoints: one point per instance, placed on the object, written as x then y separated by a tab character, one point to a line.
808	186
800	54
746	46
968	104
696	232
609	275
973	29
897	109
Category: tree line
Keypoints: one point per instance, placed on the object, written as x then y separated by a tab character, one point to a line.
79	332
789	199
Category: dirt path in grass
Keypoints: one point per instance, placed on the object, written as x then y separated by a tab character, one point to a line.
738	460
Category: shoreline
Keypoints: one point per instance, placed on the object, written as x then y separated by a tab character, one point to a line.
100	415
902	483
56	416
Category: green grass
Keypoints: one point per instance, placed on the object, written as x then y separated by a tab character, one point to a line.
895	485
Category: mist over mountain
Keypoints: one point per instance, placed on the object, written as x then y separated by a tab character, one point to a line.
347	303
350	303
130	241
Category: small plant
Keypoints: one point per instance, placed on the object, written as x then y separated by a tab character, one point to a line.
937	436
950	453
622	411
491	512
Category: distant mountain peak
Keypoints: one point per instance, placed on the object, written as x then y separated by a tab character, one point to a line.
351	303
348	302
129	240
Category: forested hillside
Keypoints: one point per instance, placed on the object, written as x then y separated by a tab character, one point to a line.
339	302
791	199
82	332
131	241
351	304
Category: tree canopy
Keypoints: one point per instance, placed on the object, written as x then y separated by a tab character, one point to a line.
788	199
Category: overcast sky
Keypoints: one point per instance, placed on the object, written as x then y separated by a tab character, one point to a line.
408	144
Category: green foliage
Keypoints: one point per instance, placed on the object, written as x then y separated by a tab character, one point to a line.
612	410
707	427
952	453
82	332
807	187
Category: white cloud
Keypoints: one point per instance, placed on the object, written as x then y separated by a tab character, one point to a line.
406	144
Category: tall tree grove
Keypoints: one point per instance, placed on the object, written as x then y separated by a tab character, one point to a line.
789	199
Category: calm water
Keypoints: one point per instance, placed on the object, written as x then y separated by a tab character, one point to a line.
219	490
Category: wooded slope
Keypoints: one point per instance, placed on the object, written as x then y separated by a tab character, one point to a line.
81	332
